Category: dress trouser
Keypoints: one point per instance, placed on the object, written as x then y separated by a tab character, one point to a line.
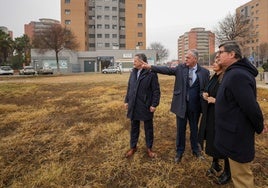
135	132
181	131
242	175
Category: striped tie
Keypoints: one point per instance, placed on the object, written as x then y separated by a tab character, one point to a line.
191	76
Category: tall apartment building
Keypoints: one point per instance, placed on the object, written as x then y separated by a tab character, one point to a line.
200	39
106	24
37	26
257	12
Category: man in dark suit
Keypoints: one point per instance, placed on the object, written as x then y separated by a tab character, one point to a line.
190	82
142	98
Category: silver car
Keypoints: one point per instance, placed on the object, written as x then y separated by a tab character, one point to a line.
27	70
6	70
111	69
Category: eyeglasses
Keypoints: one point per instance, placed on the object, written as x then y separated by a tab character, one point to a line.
220	52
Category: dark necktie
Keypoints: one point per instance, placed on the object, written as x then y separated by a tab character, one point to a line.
191	72
138	74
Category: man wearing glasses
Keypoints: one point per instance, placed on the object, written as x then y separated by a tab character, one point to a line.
237	113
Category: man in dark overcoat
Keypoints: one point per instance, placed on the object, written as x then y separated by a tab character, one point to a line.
238	115
142	98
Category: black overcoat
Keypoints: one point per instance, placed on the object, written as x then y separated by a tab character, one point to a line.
142	93
238	115
207	123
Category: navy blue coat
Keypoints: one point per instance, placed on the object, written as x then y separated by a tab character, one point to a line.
237	113
178	105
142	94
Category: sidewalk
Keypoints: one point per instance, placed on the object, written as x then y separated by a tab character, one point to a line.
261	83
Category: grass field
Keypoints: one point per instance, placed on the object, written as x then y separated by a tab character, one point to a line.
72	131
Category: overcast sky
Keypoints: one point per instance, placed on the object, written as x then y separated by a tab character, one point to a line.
166	19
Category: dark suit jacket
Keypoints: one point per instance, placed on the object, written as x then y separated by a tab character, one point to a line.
179	103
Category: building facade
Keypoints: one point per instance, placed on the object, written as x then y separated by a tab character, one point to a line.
256	11
37	26
87	61
106	24
200	39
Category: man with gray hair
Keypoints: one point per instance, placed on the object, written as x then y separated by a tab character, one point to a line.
190	81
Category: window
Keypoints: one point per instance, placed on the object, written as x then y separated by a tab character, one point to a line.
107	44
98	17
114	35
106	17
139	34
91	17
140	43
99	35
122	45
92	45
140	24
140	6
139	15
67	22
106	8
67	11
114	26
99	26
107	36
114	8
91	8
107	26
91	26
92	36
99	7
67	1
114	18
99	44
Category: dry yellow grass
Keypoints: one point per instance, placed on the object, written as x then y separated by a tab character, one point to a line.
72	131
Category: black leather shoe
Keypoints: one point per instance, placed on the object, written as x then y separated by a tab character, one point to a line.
214	169
178	158
224	178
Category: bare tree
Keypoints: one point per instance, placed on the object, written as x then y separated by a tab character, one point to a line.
161	52
233	27
55	38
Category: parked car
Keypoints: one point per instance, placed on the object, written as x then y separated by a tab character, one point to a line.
27	70
45	70
111	69
6	70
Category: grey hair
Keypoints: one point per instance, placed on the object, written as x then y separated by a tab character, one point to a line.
194	52
230	46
